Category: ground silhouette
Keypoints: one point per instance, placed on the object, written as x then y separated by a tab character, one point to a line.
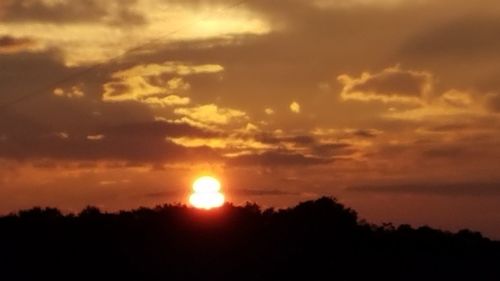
316	240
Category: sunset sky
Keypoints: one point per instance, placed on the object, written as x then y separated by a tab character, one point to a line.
392	106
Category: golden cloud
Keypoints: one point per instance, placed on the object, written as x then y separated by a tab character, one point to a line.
169	67
228	143
171	100
155	84
104	30
269	111
211	114
295	107
73	92
95	137
452	104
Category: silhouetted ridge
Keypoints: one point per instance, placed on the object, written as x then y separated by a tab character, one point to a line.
316	240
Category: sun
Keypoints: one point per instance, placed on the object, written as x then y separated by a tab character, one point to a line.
206	193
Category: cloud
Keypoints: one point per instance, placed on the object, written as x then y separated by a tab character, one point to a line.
364	133
295	107
227	143
467	37
155	84
68	11
263	192
299	140
133	142
12	45
445	151
342	134
250	144
211	114
307	144
450	105
73	92
95	137
169	67
276	159
455	98
108	29
171	100
269	111
333	149
156	129
445	189
391	85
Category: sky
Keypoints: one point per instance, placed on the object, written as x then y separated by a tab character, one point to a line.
392	106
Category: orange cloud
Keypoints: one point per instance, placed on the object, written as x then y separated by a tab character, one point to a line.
451	105
107	29
155	84
295	107
391	85
73	92
211	114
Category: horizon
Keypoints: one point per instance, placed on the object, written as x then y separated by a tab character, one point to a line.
390	106
186	205
314	205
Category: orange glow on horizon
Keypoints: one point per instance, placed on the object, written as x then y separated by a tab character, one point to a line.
206	193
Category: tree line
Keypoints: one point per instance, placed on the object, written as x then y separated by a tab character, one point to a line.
315	240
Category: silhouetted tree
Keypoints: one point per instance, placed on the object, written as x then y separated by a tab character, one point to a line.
316	240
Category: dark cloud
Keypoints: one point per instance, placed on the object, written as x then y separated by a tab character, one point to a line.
31	73
312	144
263	192
158	129
268	139
276	159
448	127
471	37
390	84
445	151
333	149
394	83
164	194
70	11
454	189
139	142
363	133
10	45
301	140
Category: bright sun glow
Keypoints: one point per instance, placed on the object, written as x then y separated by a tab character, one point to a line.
206	194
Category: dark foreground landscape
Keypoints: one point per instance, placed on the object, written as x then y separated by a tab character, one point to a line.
316	240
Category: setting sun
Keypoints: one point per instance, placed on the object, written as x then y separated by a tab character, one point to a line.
207	193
